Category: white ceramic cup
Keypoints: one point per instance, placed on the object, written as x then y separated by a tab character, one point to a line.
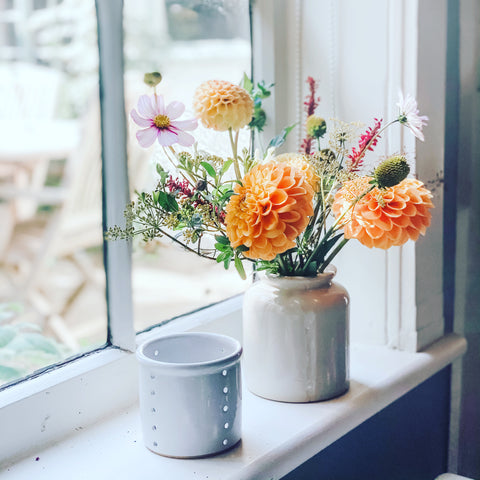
190	394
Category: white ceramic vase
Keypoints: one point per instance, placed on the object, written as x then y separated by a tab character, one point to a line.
295	338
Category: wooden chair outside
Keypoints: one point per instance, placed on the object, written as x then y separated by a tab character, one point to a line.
71	227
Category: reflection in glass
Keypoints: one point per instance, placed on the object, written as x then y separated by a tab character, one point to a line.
52	285
188	41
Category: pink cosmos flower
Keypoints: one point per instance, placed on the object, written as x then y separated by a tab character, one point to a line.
161	122
409	115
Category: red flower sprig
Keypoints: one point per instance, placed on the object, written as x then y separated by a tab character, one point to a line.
310	103
367	141
174	185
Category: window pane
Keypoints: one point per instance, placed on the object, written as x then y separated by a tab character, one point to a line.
188	41
52	283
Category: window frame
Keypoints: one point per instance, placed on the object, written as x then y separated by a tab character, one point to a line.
81	391
115	191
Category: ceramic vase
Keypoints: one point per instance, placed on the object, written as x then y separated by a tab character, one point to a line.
296	339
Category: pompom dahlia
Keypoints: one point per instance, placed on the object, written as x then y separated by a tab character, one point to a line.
384	218
160	122
222	105
300	162
269	210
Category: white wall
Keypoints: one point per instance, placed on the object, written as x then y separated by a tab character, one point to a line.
362	54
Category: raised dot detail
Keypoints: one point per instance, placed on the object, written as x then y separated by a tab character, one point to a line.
224	373
225	408
225	442
225	390
155	353
152	392
155	444
154	410
226	425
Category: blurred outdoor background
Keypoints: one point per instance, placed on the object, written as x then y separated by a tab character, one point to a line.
52	280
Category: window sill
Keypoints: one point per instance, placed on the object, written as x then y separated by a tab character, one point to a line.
270	448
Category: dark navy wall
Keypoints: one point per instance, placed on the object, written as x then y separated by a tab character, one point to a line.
408	440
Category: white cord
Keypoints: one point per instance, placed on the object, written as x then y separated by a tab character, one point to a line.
299	71
333	51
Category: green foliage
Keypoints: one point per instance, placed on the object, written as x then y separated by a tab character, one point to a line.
258	93
279	140
23	347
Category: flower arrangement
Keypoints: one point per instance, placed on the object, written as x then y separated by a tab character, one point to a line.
290	214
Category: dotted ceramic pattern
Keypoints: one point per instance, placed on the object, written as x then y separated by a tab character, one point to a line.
191	414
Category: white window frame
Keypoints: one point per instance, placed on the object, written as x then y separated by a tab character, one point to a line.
408	280
62	400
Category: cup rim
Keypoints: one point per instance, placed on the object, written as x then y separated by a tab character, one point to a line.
223	360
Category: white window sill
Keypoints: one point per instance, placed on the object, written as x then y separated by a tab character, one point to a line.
276	438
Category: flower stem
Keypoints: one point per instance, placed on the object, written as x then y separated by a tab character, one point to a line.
334	228
171	237
333	254
283	269
234	144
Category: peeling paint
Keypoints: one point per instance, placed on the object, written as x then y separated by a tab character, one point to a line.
44	423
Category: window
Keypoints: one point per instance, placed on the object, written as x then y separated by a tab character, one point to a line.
189	42
51	263
288	46
52	198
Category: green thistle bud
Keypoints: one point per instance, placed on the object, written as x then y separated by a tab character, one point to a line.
391	171
315	126
152	79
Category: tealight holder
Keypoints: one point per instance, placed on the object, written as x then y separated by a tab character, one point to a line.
190	394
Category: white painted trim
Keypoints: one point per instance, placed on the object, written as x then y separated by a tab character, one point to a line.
276	437
50	407
402	40
121	331
430	92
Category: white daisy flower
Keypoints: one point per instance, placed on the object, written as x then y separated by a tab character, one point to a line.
409	115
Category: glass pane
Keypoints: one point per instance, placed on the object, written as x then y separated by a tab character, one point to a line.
52	283
188	41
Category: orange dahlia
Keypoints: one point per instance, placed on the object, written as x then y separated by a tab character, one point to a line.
384	218
222	105
300	162
269	210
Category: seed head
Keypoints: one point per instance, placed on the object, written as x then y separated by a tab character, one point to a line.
391	171
152	79
315	126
